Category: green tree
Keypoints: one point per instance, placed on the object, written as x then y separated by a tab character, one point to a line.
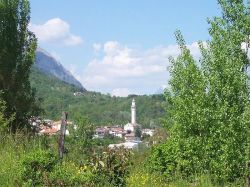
208	116
3	121
187	112
81	135
138	132
17	52
225	65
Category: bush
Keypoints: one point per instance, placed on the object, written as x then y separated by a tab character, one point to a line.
68	174
36	166
162	159
112	166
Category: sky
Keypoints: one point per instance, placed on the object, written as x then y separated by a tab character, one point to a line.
120	47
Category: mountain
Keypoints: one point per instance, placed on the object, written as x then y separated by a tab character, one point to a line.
47	64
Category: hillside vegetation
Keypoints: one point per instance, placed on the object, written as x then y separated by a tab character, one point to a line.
57	96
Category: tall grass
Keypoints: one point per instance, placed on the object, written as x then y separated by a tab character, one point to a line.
12	149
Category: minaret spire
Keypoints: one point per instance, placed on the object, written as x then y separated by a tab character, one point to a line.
133	112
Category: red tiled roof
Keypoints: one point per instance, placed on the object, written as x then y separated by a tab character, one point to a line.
47	130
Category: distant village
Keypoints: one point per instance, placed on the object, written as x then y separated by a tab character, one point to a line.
131	133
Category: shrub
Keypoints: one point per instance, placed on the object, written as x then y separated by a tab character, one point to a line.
113	166
36	165
162	159
69	174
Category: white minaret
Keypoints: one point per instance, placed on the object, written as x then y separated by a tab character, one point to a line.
133	112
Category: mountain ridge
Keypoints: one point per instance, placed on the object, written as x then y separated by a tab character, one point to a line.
47	64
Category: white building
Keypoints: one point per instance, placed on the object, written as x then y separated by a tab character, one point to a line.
131	126
133	112
117	131
149	132
126	145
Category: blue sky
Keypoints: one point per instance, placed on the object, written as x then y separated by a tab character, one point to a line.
119	46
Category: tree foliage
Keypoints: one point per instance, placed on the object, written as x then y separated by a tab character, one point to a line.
138	132
17	50
209	102
3	121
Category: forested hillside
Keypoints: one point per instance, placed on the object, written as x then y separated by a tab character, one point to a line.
57	96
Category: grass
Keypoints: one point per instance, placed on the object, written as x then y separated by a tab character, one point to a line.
14	148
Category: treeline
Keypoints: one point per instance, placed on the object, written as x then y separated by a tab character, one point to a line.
57	96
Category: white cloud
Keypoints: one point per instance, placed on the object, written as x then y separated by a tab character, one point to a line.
111	47
122	92
55	30
97	47
73	40
123	70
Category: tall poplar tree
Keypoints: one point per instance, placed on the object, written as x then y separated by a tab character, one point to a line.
17	54
209	101
225	63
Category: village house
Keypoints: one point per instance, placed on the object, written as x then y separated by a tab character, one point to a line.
128	132
51	128
100	132
149	132
78	93
48	131
126	145
117	132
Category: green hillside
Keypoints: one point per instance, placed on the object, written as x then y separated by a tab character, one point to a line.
58	96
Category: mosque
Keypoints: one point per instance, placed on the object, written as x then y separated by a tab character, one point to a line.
130	127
